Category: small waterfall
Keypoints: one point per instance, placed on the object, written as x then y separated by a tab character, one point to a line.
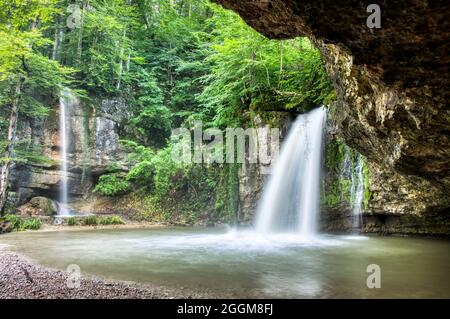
290	201
346	170
64	128
357	195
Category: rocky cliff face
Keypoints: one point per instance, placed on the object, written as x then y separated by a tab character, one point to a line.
93	146
392	86
253	175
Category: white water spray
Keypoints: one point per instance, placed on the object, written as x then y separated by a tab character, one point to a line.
290	201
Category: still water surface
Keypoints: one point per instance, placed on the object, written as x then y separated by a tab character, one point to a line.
244	264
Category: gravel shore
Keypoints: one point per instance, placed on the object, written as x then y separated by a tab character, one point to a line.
21	278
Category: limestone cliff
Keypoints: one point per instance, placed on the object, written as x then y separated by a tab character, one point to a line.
392	86
253	175
94	145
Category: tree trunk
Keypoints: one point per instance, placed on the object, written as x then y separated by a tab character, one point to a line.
55	43
59	36
4	176
121	53
147	21
80	34
280	78
128	62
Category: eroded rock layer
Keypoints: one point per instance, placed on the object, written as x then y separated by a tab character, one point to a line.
93	147
392	85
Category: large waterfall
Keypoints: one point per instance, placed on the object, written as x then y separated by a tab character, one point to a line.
290	201
64	128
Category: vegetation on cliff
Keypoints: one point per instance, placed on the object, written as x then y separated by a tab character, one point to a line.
174	62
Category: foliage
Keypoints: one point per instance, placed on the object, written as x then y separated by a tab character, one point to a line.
101	46
20	223
112	185
226	203
111	220
204	196
14	220
26	74
158	172
249	70
140	161
71	221
153	121
91	220
340	163
173	62
367	192
31	223
169	174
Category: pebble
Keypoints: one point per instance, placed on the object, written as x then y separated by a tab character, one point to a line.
50	283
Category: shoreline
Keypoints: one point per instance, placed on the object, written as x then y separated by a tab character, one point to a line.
22	278
127	225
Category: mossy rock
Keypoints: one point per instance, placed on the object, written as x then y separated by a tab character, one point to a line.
5	226
38	206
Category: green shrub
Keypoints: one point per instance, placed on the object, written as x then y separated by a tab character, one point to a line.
14	220
71	221
90	220
169	175
112	185
30	223
153	120
20	223
116	220
111	220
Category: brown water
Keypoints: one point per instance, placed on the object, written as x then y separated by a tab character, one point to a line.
244	264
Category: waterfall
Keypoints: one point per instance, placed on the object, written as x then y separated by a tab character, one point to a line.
290	201
64	128
357	194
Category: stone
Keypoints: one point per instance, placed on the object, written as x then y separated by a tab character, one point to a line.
252	175
38	206
12	199
392	92
93	146
116	109
5	226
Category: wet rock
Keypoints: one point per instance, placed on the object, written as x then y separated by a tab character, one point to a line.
116	109
5	226
93	146
392	91
12	200
107	147
253	175
38	206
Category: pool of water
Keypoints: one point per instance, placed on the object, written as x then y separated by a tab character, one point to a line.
245	264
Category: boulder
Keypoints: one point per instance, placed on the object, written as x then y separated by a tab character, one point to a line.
38	206
392	92
5	226
252	175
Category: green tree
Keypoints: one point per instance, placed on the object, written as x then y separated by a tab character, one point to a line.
24	69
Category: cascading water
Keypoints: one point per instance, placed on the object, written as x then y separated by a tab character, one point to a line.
64	102
290	201
357	194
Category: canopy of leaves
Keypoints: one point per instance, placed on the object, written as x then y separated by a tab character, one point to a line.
172	61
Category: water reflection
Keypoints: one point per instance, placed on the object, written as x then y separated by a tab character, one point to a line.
245	264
